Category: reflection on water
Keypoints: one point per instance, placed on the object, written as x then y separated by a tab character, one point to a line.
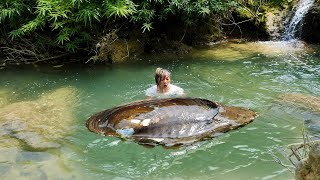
43	114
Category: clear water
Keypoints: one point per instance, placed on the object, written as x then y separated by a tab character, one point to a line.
43	114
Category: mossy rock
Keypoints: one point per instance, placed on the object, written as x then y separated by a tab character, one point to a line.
119	50
309	169
40	123
312	102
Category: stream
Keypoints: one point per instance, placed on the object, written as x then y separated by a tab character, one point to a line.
43	112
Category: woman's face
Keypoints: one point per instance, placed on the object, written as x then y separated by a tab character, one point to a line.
164	83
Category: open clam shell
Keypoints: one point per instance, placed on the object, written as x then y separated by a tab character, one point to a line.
169	122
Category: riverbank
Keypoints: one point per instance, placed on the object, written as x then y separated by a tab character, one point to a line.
110	40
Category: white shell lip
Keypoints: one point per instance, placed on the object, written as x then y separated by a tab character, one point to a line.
135	121
146	122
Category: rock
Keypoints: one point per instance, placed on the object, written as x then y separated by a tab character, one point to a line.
30	135
18	164
38	124
309	169
112	49
233	50
274	22
311	24
312	102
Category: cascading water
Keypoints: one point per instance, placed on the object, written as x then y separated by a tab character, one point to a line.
295	22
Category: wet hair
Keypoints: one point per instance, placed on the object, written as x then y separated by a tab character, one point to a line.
161	74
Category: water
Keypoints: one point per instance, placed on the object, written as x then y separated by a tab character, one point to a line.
43	114
295	22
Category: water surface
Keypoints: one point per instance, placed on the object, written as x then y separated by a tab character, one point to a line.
43	114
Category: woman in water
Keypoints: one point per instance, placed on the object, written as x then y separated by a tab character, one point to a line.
163	88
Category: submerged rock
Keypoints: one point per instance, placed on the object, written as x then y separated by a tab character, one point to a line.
309	169
39	123
312	102
237	50
30	137
169	122
4	94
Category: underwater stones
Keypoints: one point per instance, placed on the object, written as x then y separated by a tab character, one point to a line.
312	102
169	122
238	50
38	123
36	165
308	103
29	128
4	94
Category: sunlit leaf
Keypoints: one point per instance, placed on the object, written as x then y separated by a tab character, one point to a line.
146	26
122	8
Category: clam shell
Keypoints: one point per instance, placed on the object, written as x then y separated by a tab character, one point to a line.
169	122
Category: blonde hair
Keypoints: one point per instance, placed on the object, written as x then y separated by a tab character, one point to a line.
161	74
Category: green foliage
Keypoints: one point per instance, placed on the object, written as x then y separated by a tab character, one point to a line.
88	15
244	12
278	2
72	23
120	8
29	27
11	10
254	10
71	46
146	26
53	10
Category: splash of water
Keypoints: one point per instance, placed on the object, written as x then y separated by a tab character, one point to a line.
295	23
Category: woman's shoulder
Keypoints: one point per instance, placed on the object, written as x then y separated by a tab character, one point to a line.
151	91
176	89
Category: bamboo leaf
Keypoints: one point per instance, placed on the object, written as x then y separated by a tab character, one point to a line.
146	26
63	37
87	15
71	47
121	8
27	28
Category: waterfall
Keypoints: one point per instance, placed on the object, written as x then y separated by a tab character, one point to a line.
296	20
